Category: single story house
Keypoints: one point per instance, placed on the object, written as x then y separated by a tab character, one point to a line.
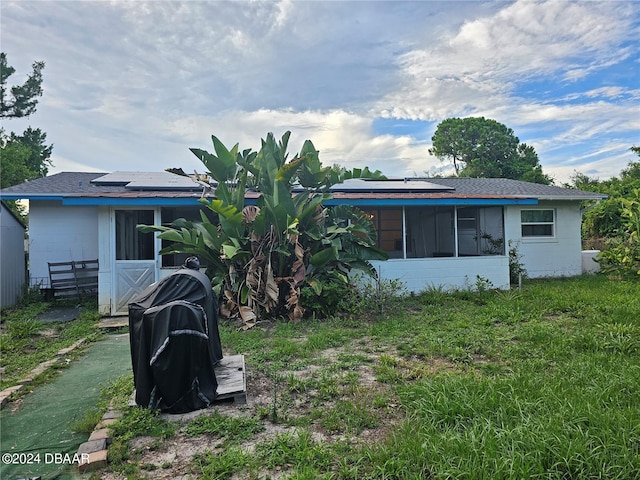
13	265
440	232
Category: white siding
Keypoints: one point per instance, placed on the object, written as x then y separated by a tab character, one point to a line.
556	256
60	234
12	258
451	273
105	259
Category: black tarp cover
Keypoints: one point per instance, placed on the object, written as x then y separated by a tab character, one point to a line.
175	343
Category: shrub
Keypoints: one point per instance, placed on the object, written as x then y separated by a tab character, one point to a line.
622	256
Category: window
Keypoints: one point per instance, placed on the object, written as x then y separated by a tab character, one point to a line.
132	244
537	223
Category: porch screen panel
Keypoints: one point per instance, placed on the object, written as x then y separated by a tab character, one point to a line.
430	232
492	231
388	224
131	244
390	232
168	215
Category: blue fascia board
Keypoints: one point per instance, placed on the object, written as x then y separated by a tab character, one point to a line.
17	196
415	202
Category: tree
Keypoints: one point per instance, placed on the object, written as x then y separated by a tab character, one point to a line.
22	157
259	257
23	99
482	147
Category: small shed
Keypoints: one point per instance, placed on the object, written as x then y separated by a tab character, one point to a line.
13	265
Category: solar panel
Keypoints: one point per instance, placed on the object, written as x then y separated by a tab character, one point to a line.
390	185
148	181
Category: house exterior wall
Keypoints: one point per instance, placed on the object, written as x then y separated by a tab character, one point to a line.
66	233
451	273
555	256
12	258
60	234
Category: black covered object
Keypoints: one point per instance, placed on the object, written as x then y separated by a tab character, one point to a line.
175	343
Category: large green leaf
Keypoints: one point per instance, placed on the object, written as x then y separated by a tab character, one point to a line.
323	257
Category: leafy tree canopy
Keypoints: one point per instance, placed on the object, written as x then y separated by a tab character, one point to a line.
19	100
22	157
482	147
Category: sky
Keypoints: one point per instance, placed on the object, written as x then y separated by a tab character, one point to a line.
133	85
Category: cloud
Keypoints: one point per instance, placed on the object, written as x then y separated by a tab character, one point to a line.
132	85
479	66
341	137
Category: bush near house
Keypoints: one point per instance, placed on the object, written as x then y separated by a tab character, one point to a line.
260	257
613	225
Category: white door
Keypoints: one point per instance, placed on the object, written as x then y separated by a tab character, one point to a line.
135	256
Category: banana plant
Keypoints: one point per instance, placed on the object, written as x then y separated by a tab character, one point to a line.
260	256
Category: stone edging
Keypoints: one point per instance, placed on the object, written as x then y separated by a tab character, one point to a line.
5	395
93	452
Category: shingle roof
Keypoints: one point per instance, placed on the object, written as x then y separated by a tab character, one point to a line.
79	184
65	183
505	186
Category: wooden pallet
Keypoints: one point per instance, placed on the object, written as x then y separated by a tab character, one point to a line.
232	380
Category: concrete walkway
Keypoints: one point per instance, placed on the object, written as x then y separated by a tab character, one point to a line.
39	434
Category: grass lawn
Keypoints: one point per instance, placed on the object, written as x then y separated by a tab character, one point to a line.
543	383
25	341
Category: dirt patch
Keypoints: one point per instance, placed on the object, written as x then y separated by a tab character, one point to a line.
49	333
312	396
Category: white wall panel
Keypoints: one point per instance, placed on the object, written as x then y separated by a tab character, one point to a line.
549	257
60	234
450	273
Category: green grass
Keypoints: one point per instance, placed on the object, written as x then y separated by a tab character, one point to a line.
25	342
232	429
542	383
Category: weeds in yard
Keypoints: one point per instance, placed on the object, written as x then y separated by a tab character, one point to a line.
25	341
138	422
538	383
222	464
88	421
231	429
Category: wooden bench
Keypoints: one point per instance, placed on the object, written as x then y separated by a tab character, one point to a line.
75	278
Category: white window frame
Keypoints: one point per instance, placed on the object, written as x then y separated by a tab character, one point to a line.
553	224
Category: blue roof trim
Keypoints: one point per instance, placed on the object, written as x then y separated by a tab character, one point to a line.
17	196
414	202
